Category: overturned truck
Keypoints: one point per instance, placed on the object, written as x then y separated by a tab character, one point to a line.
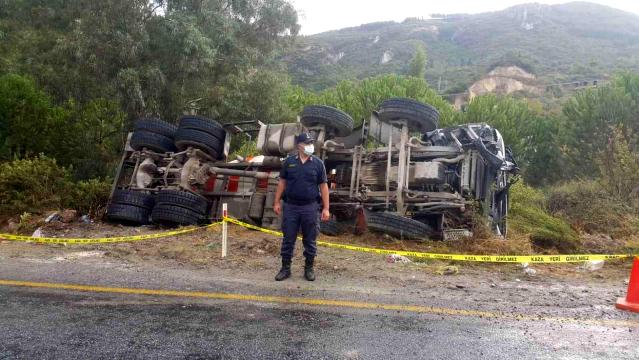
396	173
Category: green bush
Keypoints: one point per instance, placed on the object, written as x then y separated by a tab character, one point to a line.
32	185
90	197
528	215
40	184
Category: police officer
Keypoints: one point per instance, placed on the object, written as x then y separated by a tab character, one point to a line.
304	186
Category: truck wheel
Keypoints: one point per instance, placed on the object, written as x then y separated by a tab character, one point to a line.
152	141
135	198
203	124
168	214
331	228
184	199
200	140
128	214
420	117
397	226
334	119
156	126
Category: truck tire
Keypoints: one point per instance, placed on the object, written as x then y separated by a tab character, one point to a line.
331	228
135	198
334	119
152	141
184	199
128	214
203	124
420	117
168	214
156	126
397	226
200	140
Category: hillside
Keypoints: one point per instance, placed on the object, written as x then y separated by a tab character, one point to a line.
557	43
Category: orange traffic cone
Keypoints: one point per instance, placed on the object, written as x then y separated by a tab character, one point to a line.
631	302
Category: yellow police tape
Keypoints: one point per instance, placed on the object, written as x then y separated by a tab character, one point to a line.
115	239
457	257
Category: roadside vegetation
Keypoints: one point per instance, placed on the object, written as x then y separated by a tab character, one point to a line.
75	75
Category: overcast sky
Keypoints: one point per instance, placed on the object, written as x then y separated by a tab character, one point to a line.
322	15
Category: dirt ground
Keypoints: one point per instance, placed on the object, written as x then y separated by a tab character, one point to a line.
252	250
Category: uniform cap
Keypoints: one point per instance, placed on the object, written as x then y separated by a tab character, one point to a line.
304	138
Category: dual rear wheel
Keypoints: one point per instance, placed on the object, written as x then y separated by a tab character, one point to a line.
161	137
167	207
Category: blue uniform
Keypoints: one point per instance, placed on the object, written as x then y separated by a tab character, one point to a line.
301	203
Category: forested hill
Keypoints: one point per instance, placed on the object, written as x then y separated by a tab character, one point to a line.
565	42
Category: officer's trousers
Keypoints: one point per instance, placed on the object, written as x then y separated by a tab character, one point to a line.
294	217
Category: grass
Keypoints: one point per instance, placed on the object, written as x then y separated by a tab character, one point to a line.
589	208
529	216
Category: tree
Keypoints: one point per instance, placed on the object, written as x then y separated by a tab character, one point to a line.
88	138
153	62
29	123
619	166
100	131
588	120
88	69
417	67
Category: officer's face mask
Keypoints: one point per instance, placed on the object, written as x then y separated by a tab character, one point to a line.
309	149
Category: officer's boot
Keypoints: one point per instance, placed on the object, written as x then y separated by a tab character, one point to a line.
309	274
285	271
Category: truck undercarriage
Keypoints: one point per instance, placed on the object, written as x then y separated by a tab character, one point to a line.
396	173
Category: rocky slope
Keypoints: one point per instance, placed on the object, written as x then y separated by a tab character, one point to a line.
556	43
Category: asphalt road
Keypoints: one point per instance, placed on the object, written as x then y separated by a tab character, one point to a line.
41	323
63	325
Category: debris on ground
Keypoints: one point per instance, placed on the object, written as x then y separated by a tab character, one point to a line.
79	255
37	233
527	269
393	258
68	215
448	270
53	217
592	265
86	219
